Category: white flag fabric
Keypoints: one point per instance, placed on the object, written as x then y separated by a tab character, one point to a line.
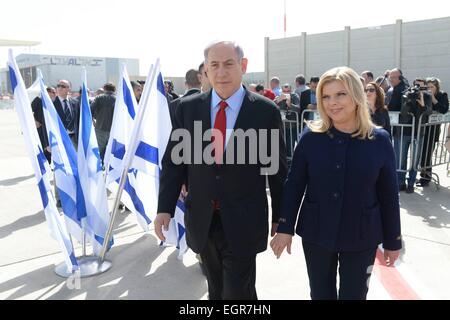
176	235
40	165
91	177
154	134
180	229
64	159
139	184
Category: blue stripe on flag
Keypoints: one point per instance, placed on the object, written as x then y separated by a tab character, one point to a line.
41	160
181	231
118	149
128	100
136	201
69	206
101	240
147	152
86	130
13	78
43	192
160	85
73	260
180	204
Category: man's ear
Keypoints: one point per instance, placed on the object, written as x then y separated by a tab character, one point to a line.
244	65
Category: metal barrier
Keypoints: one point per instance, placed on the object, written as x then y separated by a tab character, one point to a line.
291	131
432	151
414	148
308	115
405	145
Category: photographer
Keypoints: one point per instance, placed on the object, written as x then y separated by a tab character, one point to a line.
415	101
440	104
289	103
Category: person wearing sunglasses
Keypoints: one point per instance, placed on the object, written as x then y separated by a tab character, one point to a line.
68	110
378	111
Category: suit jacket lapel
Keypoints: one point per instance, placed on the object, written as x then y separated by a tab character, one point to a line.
205	112
245	113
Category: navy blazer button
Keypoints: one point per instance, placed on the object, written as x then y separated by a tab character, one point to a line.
336	195
338	166
217	177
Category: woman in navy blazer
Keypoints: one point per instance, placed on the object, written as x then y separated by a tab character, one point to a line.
344	176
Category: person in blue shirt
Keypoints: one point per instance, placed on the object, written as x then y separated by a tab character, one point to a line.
344	176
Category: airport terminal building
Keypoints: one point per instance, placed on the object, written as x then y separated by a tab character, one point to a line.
55	67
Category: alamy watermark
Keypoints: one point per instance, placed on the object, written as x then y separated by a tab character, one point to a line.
252	146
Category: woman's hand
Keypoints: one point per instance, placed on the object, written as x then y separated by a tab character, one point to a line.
279	242
390	257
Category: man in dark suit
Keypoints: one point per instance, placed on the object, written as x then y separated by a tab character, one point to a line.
193	86
38	114
68	110
226	207
308	100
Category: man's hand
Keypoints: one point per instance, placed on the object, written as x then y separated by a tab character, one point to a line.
279	242
421	101
162	219
390	257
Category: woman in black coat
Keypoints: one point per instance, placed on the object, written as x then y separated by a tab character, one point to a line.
343	179
378	111
432	132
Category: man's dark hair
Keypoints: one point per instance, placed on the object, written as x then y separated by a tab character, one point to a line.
201	66
51	89
314	79
369	74
259	88
192	78
141	82
300	79
109	87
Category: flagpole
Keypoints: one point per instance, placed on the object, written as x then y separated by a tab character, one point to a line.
128	156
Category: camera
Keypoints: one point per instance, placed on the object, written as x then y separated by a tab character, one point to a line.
412	94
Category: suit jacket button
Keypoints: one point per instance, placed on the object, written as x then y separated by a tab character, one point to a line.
217	177
338	166
336	195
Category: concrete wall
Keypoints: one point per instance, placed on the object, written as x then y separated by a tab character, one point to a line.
419	48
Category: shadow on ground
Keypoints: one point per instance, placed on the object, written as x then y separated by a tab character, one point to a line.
129	278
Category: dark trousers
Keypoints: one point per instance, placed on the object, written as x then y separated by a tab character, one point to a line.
430	139
229	277
355	269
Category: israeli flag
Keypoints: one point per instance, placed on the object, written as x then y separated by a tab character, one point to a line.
180	228
40	166
150	135
139	184
176	234
154	134
65	167
91	177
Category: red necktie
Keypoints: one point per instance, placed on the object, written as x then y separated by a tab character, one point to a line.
220	124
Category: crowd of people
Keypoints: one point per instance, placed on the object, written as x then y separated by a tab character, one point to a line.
345	155
386	93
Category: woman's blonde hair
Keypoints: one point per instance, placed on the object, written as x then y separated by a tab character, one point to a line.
351	81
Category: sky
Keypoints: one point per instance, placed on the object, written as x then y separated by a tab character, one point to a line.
177	31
